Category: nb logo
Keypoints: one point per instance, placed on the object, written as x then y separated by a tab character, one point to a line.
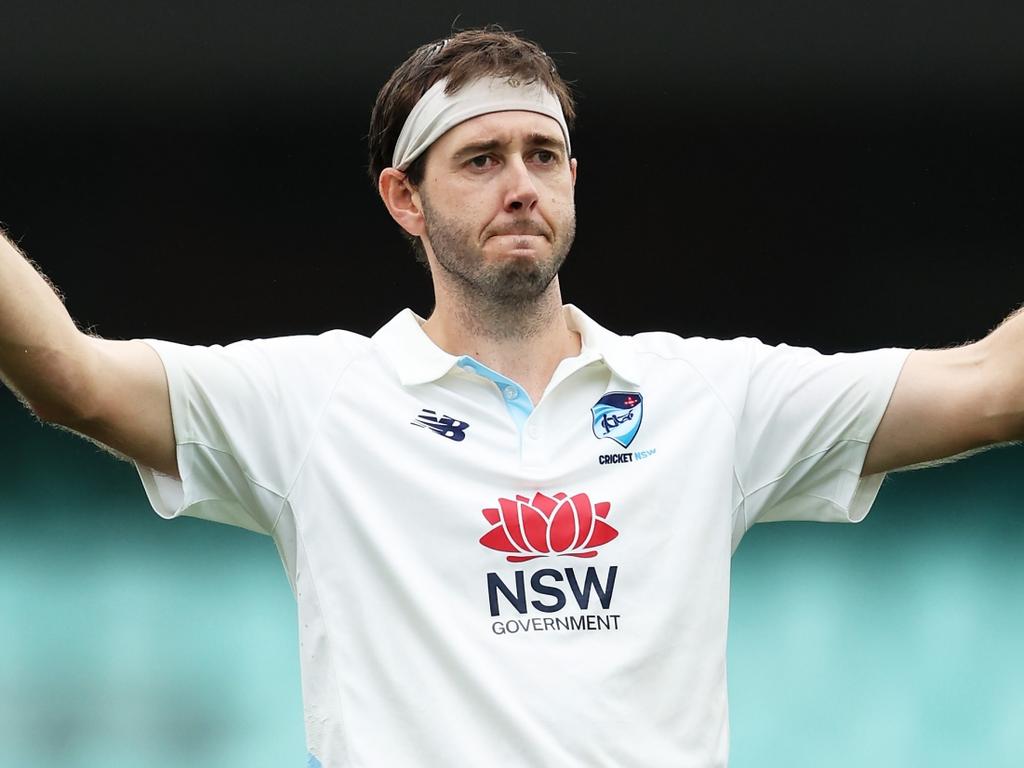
445	426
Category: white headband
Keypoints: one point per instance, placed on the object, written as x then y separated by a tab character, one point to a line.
436	112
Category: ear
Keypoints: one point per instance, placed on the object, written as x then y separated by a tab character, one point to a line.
572	169
401	200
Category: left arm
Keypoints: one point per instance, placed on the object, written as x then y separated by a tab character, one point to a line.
948	401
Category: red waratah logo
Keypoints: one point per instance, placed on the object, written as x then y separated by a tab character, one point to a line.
548	526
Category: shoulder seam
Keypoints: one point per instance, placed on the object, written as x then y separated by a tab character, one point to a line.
699	372
801	460
317	423
245	474
725	406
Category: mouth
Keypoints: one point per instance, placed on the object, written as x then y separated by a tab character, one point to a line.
519	236
522	229
519	242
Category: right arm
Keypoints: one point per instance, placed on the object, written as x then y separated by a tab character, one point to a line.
114	392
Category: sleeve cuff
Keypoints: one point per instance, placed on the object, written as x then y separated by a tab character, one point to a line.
165	494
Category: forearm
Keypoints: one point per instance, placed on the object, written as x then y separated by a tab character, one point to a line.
42	352
1003	351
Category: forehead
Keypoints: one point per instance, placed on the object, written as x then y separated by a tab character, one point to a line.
509	127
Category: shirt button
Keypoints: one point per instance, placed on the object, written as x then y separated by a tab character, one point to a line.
511	393
467	368
533	432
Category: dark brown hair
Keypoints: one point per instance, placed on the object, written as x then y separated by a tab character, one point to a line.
462	58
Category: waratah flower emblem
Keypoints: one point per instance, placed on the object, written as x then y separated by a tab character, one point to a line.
548	526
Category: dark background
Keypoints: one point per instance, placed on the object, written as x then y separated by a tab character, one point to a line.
845	175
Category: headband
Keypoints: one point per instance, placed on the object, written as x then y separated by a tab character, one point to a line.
436	112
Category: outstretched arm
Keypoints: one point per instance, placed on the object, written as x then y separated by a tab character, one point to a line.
948	401
114	392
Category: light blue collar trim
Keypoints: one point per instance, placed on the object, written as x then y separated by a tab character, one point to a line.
516	400
419	361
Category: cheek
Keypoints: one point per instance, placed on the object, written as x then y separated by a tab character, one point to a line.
473	201
561	200
561	190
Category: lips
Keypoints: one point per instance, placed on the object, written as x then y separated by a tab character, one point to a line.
548	526
523	228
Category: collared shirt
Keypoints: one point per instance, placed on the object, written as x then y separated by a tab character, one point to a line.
485	580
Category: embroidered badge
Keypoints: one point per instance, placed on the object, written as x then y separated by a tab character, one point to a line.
617	416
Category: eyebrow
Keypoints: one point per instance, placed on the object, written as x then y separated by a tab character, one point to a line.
536	139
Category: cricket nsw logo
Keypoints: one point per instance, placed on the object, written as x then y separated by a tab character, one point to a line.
617	416
548	526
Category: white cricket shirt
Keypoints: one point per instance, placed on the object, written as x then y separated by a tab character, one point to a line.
485	581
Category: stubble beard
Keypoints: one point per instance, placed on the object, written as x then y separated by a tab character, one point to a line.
500	299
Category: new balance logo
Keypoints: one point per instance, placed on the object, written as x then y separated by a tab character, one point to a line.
445	426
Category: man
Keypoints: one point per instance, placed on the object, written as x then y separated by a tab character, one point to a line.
508	529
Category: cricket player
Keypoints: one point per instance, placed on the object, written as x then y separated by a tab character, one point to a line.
508	529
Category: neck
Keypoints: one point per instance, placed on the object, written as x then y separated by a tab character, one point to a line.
525	342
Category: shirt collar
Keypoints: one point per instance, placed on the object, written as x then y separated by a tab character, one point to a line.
418	360
610	347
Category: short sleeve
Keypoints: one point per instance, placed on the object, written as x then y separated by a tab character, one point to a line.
804	431
244	415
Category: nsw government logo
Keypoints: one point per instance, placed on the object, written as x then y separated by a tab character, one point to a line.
549	527
617	416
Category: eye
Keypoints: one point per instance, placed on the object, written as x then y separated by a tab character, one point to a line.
546	156
480	162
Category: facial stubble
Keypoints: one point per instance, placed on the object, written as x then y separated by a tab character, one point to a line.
513	284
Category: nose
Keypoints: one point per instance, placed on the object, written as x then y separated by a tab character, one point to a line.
521	192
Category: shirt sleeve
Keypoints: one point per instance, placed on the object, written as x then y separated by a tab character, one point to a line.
804	431
244	416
